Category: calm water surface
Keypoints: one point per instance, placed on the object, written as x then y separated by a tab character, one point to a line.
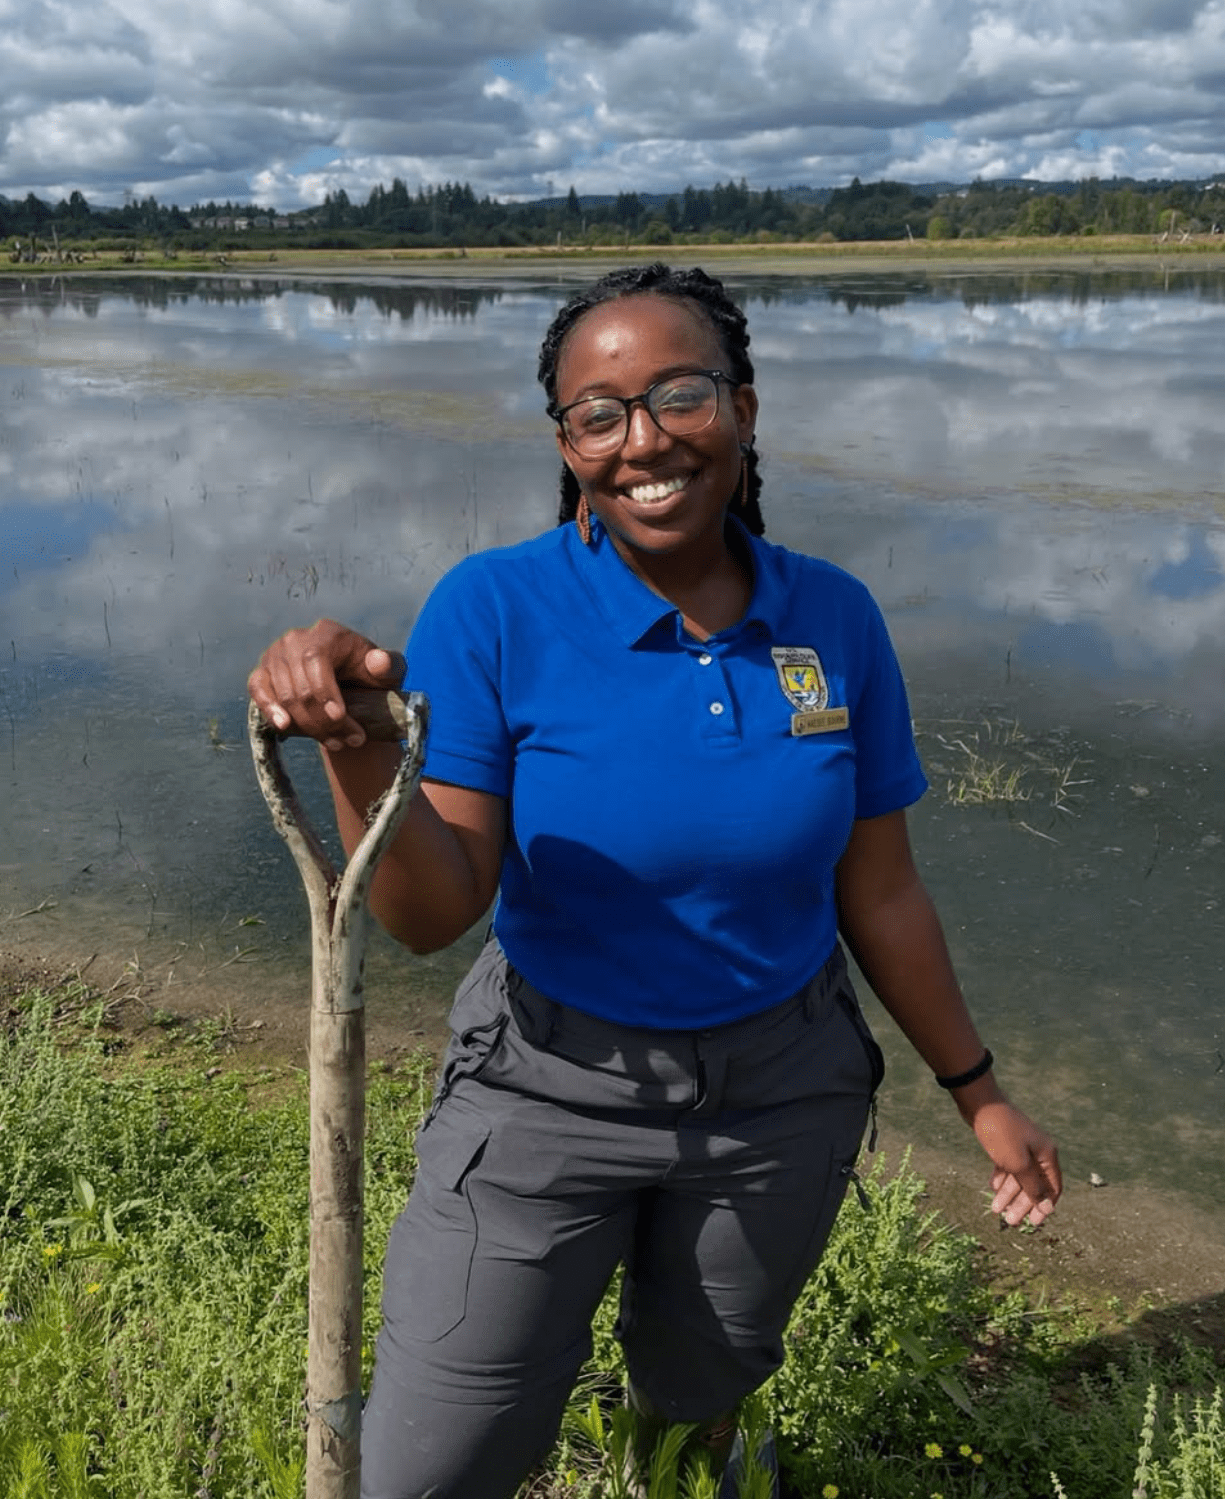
1030	474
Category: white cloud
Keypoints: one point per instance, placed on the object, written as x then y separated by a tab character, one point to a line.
228	98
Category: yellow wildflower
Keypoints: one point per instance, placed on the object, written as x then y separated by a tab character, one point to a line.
51	1250
976	1457
965	1449
830	1491
93	1288
934	1449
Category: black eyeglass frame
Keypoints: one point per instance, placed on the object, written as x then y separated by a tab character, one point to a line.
558	413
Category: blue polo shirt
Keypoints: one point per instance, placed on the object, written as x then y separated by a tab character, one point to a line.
677	806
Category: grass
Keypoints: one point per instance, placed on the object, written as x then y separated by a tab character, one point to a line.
152	1322
1091	250
995	763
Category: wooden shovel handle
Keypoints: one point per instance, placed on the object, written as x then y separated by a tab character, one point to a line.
383	715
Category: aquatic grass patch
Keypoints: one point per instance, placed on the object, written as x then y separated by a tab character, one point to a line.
985	764
994	762
153	1263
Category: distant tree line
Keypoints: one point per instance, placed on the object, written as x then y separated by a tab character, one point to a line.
453	216
74	218
1120	206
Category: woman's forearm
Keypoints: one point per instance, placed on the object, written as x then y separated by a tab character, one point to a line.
899	944
891	927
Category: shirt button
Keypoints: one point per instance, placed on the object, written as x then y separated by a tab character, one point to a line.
705	660
716	708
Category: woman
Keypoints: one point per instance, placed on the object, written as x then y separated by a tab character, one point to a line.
681	758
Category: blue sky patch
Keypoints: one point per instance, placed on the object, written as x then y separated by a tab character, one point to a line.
41	537
1197	575
530	72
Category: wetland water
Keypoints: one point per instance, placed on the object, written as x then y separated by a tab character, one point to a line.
1029	473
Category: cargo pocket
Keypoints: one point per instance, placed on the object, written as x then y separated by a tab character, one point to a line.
430	1253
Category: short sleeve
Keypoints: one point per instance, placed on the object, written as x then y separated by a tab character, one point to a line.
454	657
888	775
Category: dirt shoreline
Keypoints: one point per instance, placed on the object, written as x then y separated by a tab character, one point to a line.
1118	1251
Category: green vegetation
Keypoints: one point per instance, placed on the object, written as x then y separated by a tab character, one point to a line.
452	216
152	1328
993	762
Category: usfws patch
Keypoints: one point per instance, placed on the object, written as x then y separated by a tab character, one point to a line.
802	678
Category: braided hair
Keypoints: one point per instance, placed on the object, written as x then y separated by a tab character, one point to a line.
727	320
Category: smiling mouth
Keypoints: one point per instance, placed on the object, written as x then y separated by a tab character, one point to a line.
652	494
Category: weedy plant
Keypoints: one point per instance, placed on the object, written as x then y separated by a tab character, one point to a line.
985	766
153	1270
995	762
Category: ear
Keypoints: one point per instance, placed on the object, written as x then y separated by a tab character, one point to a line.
563	447
744	404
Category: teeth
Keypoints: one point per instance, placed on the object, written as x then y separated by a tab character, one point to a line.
646	494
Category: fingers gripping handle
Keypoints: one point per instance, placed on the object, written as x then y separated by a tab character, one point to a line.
386	716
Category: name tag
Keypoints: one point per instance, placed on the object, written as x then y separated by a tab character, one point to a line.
820	721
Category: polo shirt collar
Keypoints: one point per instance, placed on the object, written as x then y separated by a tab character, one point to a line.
771	596
632	610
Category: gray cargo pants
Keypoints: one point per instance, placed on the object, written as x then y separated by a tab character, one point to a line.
712	1163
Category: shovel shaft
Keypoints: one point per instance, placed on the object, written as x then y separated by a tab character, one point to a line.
339	919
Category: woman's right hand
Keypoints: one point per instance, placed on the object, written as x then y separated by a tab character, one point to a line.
298	680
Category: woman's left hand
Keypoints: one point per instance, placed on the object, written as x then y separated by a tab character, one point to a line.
1026	1181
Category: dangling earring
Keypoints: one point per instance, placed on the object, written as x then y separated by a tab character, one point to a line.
745	449
582	519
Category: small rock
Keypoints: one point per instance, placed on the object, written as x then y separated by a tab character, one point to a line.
216	1072
1140	791
1095	1180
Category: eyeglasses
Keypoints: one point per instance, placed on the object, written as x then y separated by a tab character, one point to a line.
681	405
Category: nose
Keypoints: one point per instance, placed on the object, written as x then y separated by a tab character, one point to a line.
643	433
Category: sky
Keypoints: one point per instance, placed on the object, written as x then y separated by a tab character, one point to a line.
283	101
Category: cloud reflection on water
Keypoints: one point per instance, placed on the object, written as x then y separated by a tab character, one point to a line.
212	469
1110	399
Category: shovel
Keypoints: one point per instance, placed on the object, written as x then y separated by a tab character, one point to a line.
339	924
